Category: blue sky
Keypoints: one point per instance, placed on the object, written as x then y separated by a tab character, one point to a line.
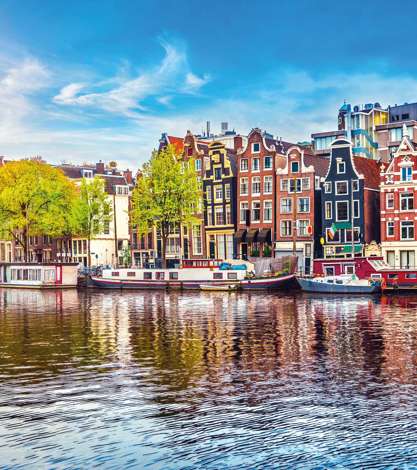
88	80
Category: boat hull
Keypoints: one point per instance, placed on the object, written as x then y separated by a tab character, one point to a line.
309	285
282	282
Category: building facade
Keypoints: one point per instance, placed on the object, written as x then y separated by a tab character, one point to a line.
349	202
298	196
219	189
399	206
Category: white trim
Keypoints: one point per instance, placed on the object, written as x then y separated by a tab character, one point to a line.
336	211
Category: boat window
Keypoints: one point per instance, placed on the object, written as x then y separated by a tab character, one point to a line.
330	281
339	281
231	275
49	275
350	269
392	276
147	276
411	276
217	275
173	275
115	273
329	270
131	273
160	276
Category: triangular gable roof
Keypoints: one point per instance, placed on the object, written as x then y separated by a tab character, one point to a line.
177	142
369	169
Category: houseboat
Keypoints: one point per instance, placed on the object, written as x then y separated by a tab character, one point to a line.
39	276
344	284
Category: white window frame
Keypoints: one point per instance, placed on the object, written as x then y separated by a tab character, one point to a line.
253	211
247	164
254	159
390	199
337	211
258	180
331	210
390	223
272	183
289	222
336	191
409	198
296	162
298	205
328	187
268	167
280	205
338	169
253	147
246	193
401	230
242	211
265	219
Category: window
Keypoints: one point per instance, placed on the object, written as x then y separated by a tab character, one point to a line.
332	237
286	206
391	258
295	167
208	193
407	259
396	134
256	211
356	233
407	201
209	216
286	228
267	211
268	162
227	191
218	191
173	276
349	268
217	174
217	275
341	187
160	276
328	187
302	227
243	186
356	210
231	276
284	185
197	164
228	215
407	230
196	238
295	185
328	210
255	164
244	164
390	229
268	185
305	184
87	173
256	185
329	270
342	211
304	204
355	185
115	273
341	167
256	147
219	215
389	200
406	173
244	208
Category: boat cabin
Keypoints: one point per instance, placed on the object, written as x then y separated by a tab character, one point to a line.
33	275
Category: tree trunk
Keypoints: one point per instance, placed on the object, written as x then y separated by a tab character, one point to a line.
89	252
25	245
164	250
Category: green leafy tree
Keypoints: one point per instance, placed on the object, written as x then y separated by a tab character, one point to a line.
91	211
166	195
35	199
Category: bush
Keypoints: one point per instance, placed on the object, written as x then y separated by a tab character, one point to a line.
267	251
254	253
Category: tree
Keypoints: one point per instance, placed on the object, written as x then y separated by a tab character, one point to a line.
166	195
35	199
91	211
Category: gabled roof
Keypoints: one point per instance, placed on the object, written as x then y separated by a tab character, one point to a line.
177	142
320	164
370	171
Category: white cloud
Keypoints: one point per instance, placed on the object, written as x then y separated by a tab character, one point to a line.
194	82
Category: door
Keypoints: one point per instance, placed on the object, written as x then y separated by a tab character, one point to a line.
244	250
212	248
185	241
391	258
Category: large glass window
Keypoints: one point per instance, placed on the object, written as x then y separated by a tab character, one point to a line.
286	228
407	230
286	206
218	193
341	187
255	164
302	227
197	243
244	186
342	211
407	201
267	162
268	185
390	229
244	164
304	204
256	185
406	173
256	211
219	216
244	207
267	211
389	200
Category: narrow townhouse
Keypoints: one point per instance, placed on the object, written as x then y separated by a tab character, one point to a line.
256	219
298	196
219	188
350	203
399	206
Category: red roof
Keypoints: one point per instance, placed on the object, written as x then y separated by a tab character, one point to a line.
177	142
369	169
320	164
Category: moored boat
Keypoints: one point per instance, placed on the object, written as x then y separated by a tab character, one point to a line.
268	282
344	284
39	275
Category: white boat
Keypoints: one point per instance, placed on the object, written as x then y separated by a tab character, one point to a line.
39	275
343	284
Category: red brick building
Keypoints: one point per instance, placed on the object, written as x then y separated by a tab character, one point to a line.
256	212
398	201
298	217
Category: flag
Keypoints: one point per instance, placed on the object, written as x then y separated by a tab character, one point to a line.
332	231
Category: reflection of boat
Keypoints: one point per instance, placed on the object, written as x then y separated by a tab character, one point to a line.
38	276
344	284
219	287
269	282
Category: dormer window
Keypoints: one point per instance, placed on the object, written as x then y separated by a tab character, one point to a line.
87	173
341	168
256	147
295	167
406	173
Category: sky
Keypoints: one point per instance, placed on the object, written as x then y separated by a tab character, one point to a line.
86	80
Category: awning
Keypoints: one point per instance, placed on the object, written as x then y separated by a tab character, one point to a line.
264	235
348	249
342	225
240	235
251	235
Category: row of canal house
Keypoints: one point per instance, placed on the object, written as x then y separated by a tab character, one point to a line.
266	197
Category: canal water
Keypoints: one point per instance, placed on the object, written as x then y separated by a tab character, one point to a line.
207	380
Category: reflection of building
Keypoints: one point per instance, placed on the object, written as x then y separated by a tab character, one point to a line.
298	194
398	206
219	189
350	198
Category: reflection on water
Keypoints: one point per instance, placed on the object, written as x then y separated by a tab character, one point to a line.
207	380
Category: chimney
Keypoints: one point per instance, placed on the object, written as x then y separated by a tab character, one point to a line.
237	142
128	175
100	168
